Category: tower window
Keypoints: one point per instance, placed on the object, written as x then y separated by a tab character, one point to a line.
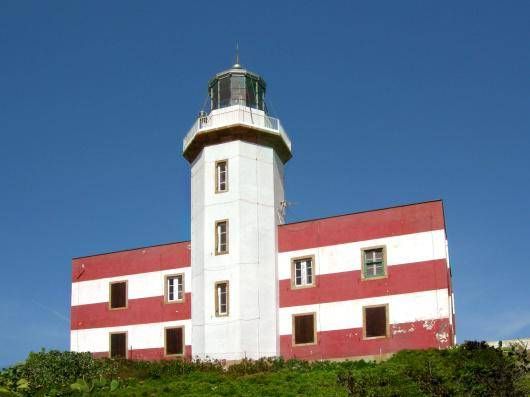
118	345
118	295
304	331
174	288
174	341
221	237
375	320
303	272
373	262
221	298
221	176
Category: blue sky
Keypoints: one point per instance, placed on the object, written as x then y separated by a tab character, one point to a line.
386	103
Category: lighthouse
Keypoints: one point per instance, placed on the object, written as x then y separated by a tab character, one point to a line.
237	154
247	284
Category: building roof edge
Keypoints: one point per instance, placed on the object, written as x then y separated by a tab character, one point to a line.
363	212
131	249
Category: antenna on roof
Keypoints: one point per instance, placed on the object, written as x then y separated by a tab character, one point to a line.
237	65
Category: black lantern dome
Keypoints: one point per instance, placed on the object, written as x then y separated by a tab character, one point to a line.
237	86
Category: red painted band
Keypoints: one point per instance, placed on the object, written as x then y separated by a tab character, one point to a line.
142	260
334	287
148	354
350	342
138	311
362	226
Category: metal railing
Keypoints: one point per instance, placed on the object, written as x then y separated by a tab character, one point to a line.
236	115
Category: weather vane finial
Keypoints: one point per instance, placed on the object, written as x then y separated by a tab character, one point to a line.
237	65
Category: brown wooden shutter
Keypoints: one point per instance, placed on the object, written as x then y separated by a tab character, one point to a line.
118	295
118	345
174	341
304	328
376	322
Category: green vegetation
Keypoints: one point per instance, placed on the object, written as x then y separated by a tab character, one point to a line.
472	369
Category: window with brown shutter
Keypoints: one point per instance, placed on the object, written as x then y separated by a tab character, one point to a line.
304	332
118	295
375	321
118	345
174	341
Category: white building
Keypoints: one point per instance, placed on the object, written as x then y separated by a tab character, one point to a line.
248	285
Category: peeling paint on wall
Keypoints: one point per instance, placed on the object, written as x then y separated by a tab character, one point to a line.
428	324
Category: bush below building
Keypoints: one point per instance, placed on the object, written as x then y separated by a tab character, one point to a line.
471	369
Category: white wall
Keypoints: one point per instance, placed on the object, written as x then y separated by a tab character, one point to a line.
141	285
255	180
402	308
404	249
140	336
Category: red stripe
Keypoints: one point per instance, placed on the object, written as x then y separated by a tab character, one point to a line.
138	311
362	226
148	354
350	343
141	260
334	287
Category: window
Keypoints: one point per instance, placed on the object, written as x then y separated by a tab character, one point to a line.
221	176
221	298
374	262
118	345
303	272
221	237
174	341
118	295
174	288
304	331
375	320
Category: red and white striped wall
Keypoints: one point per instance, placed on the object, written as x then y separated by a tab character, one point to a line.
146	315
417	288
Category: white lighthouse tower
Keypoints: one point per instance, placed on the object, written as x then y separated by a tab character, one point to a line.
237	155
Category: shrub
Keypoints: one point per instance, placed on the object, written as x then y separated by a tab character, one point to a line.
54	370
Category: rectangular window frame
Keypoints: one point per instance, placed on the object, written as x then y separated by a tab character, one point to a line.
217	237
183	342
315	335
217	176
217	303
126	343
363	263
126	295
166	288
293	272
387	328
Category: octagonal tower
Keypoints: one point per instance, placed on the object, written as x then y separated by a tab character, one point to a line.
237	154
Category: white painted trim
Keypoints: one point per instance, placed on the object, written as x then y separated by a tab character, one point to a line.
140	336
141	285
402	308
404	249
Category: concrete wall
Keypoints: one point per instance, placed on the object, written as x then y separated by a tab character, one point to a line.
417	288
251	205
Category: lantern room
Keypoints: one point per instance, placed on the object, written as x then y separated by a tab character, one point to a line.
237	86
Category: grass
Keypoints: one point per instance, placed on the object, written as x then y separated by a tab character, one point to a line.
471	369
286	382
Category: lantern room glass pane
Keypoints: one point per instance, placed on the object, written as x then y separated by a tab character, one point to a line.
238	90
214	95
261	93
224	92
251	92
